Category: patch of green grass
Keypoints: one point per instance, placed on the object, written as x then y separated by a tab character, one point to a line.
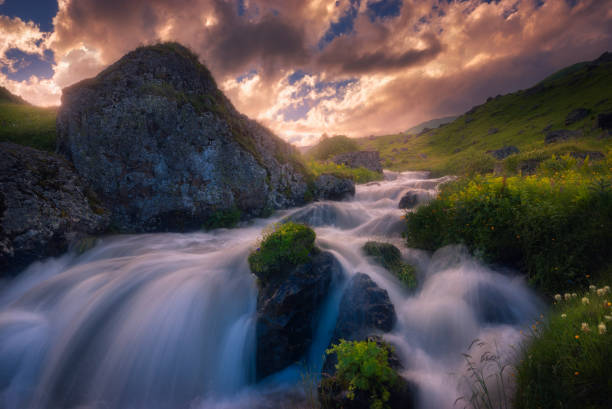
389	256
281	248
566	363
364	366
329	147
553	226
28	125
517	119
357	175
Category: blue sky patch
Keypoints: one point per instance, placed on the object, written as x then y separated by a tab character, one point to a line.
27	65
296	76
344	25
39	11
384	9
247	75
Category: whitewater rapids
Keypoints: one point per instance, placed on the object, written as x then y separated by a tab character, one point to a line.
166	321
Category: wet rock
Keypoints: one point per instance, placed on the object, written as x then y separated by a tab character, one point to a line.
504	152
330	187
364	159
43	207
164	149
604	121
561	135
491	305
288	310
408	201
365	310
576	115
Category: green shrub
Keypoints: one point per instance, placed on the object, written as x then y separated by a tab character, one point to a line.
282	247
364	366
389	256
567	361
357	175
328	147
552	227
223	218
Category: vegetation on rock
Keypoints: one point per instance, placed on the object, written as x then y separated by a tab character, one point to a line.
327	147
282	247
364	366
389	256
357	175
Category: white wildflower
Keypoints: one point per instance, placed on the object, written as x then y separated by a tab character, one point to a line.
558	297
608	317
585	327
592	288
567	296
574	295
585	301
601	328
563	316
601	292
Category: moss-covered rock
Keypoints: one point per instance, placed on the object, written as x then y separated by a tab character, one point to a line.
389	256
281	248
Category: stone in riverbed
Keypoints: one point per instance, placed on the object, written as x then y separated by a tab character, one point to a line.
330	187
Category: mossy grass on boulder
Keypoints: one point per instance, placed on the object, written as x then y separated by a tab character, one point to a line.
282	247
389	256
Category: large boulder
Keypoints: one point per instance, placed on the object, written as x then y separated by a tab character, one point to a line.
409	200
361	159
288	309
365	310
164	149
561	135
576	115
43	207
330	187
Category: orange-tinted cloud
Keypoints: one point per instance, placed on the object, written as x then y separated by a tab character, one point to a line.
360	73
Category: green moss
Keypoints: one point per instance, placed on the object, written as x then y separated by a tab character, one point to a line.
389	256
223	218
281	248
357	175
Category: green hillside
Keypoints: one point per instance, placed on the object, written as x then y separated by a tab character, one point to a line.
520	119
432	123
26	124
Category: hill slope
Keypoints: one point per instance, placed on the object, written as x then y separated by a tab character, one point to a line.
26	124
519	119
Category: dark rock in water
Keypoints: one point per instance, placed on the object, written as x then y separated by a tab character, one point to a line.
288	310
561	135
43	207
333	391
365	310
604	121
492	306
164	149
504	152
408	201
593	155
576	115
362	159
330	187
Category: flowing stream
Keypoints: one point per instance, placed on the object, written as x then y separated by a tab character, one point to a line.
166	321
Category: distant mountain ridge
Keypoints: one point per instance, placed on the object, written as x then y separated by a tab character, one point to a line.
8	96
431	124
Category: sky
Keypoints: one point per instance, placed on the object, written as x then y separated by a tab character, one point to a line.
308	67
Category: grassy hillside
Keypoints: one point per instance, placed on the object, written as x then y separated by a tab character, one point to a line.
432	123
520	119
25	124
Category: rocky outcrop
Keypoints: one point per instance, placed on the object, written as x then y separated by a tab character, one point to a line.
287	311
361	159
561	135
576	115
409	200
164	149
365	310
593	155
43	207
504	152
604	121
330	187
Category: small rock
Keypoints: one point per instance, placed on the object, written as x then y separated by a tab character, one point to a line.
504	152
561	135
330	187
576	115
409	200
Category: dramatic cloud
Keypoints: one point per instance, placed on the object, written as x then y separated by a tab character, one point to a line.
357	67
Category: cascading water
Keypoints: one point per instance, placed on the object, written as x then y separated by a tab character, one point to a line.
167	320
